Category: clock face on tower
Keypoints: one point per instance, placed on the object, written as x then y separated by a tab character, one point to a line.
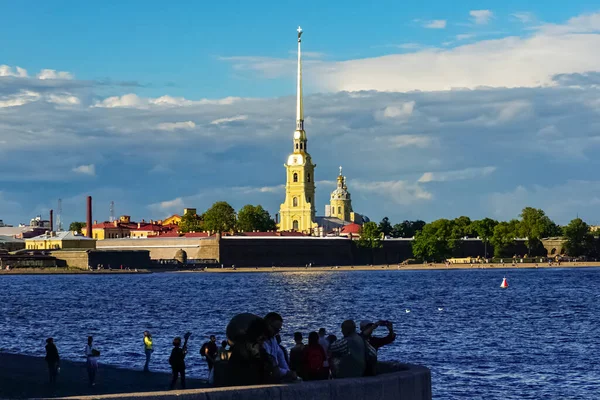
295	159
296	135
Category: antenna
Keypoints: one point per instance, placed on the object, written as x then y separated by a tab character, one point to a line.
112	211
59	216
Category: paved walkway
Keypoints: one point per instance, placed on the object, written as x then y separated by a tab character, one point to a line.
26	377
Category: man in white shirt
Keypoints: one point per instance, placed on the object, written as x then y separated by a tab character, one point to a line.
274	324
91	354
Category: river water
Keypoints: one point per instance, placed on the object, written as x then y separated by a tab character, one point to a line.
540	338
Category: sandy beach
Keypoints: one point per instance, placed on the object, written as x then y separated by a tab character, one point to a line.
47	271
27	377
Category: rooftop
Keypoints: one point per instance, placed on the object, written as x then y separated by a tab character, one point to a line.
62	235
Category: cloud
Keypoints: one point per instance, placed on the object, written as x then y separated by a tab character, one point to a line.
18	72
86	169
53	74
397	142
173	126
174	205
19	99
399	192
435	24
446	176
533	61
465	36
132	100
399	111
524	17
226	120
481	17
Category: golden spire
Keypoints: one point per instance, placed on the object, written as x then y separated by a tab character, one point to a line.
299	105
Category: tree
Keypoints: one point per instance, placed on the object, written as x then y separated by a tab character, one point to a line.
407	229
77	226
504	236
484	228
462	227
190	222
370	236
534	226
219	218
254	218
436	240
579	240
385	226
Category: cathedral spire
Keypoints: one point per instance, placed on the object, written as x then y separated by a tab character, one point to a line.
299	105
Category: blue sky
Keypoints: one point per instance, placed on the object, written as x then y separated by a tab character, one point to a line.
435	110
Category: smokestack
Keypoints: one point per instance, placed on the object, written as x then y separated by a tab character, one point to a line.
51	220
89	216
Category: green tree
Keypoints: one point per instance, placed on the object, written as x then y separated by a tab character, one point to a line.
77	226
220	217
436	240
504	236
535	225
579	240
385	226
462	227
190	222
484	228
370	236
254	218
407	229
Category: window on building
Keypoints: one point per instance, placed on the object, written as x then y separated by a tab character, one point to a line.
339	210
295	225
296	146
308	177
300	146
295	177
295	202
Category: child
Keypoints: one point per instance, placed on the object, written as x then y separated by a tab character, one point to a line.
177	361
91	354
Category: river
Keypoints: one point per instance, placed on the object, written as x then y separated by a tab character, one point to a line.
540	338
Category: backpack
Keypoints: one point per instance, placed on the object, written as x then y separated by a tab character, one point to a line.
314	359
203	349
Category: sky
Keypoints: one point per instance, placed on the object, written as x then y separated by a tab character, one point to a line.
434	110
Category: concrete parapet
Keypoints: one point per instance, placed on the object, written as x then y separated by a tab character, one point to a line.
402	381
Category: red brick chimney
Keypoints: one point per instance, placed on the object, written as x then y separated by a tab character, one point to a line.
89	216
51	220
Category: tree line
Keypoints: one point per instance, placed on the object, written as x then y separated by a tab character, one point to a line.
437	240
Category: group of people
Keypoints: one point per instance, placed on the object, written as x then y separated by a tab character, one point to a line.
260	358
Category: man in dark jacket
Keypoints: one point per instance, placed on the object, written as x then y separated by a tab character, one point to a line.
52	358
177	361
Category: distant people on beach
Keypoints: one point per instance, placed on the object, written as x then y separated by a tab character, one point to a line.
91	355
147	349
209	351
177	362
313	359
274	323
296	352
52	359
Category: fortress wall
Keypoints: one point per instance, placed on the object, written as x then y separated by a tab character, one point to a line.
159	248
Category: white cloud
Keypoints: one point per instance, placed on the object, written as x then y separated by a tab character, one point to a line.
173	126
220	121
18	72
397	142
64	99
86	169
446	176
176	204
465	36
399	192
524	17
399	111
481	17
132	100
19	99
53	74
435	24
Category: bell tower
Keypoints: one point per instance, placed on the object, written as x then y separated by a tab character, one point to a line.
297	212
341	203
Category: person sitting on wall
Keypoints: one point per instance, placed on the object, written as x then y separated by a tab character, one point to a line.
296	353
274	324
313	358
348	353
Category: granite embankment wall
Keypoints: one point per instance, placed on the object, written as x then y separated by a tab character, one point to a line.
165	248
402	381
114	258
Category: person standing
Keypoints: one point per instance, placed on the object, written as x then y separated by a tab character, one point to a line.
177	361
91	354
209	351
148	349
53	359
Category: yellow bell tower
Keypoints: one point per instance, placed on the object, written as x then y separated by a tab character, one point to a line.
297	212
341	203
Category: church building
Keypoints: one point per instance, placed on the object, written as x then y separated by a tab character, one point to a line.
297	212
